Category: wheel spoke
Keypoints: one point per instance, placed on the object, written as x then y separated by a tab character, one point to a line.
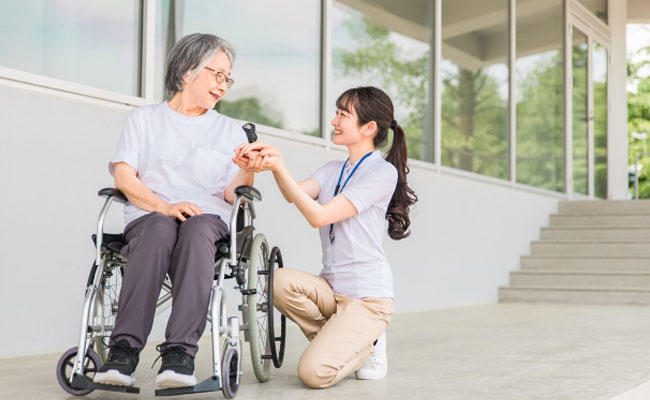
262	328
69	364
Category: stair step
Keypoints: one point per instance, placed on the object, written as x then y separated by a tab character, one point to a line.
605	207
600	220
591	249
586	234
586	263
611	279
583	295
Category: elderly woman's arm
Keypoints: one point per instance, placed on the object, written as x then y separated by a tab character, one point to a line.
243	177
126	180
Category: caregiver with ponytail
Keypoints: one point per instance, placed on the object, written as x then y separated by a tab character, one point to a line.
345	311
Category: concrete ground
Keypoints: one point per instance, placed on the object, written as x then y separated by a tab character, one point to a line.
500	351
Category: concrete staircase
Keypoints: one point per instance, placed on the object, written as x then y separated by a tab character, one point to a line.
594	252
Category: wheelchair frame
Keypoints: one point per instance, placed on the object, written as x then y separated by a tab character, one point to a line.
236	257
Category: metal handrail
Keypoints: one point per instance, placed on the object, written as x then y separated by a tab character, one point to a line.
636	173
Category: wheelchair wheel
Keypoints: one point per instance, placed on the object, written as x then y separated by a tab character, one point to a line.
65	366
258	304
105	309
229	373
277	353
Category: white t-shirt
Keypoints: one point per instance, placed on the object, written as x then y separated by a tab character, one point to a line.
180	158
359	266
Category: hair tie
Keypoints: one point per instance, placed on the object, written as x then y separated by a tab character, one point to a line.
393	125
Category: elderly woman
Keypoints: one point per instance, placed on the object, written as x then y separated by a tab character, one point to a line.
174	164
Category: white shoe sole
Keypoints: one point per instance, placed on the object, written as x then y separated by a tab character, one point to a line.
114	377
171	379
370	375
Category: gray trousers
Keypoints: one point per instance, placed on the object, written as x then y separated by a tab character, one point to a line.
158	245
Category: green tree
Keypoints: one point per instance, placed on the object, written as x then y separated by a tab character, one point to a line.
405	79
248	109
580	120
540	125
474	123
638	111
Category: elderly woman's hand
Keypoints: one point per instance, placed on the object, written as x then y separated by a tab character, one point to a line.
181	210
257	157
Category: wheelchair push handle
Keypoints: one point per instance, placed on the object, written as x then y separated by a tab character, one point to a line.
249	128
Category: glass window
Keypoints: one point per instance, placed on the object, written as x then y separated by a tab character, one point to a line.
474	75
277	68
540	93
388	45
580	110
91	43
598	7
600	119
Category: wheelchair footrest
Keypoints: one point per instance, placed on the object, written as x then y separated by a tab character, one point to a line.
83	382
209	385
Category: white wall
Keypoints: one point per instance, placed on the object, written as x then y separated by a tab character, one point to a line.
466	236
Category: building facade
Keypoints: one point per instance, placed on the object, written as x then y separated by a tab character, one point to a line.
508	107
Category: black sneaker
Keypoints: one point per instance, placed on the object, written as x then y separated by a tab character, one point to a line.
177	368
119	369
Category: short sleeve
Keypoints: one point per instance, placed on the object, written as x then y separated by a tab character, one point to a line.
239	137
323	172
128	148
373	188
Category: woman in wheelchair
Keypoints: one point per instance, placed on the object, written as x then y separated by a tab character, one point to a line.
174	164
345	311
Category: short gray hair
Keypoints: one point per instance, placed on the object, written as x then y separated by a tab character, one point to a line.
189	55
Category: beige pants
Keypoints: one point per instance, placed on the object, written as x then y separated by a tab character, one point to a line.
341	329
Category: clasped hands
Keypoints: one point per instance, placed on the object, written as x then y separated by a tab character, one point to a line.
257	157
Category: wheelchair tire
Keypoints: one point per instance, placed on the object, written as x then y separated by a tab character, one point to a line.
277	353
258	303
65	366
229	373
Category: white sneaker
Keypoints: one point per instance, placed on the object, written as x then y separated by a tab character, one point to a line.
114	377
377	366
172	379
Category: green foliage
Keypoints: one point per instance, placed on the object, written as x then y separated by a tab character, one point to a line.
474	123
580	121
248	109
403	78
638	124
540	125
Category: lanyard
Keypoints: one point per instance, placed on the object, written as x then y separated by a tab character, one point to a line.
339	188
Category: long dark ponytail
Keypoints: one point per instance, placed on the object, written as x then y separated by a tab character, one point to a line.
372	104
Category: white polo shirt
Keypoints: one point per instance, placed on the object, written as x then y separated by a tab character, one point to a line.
359	266
180	158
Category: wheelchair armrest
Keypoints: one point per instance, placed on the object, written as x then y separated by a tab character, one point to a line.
249	192
116	193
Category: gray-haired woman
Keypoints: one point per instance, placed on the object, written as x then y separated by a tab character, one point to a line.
174	164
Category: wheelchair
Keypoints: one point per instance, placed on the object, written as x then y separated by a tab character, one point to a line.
243	256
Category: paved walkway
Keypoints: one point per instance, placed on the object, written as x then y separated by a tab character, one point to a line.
500	352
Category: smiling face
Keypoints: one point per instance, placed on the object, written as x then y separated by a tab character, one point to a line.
204	90
347	130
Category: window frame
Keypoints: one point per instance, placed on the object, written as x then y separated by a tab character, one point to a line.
573	12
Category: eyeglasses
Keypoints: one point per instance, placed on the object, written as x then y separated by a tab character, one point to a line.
221	77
